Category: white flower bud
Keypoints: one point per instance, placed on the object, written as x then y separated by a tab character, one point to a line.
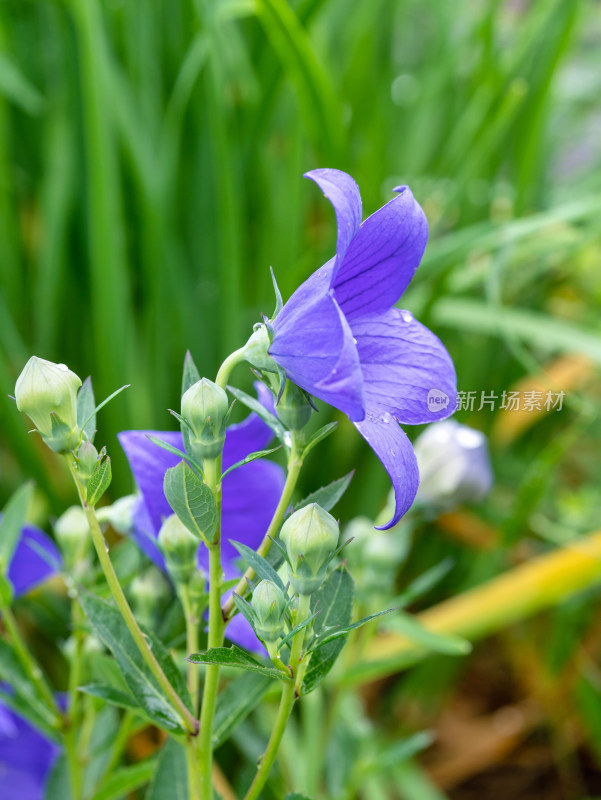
204	407
311	537
256	350
47	393
454	465
73	535
120	514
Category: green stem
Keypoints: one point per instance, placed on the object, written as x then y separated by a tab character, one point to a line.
194	782
212	470
32	670
295	463
189	722
72	734
225	370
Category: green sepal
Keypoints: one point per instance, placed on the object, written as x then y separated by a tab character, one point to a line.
192	501
260	565
332	635
327	496
174	451
102	405
86	414
319	436
13	519
99	482
236	657
245	608
190	375
279	303
250	457
291	634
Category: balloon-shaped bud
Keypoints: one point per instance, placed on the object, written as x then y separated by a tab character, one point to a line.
454	465
311	537
180	549
87	460
120	514
269	604
73	535
256	350
47	393
204	408
294	409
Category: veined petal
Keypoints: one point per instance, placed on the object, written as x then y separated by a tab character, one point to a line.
382	257
314	345
343	193
394	450
406	368
251	434
36	558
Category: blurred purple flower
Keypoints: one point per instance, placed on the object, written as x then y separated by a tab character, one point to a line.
340	338
35	559
250	496
26	758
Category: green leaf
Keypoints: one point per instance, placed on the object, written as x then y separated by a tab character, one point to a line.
104	402
235	657
297	796
439	643
346	629
424	582
319	436
406	748
13	519
245	609
192	500
334	601
291	634
125	780
249	458
329	495
262	567
236	702
58	785
111	694
85	409
174	450
191	375
112	631
99	482
24	697
171	776
253	404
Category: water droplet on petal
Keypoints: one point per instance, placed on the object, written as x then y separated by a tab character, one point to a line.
406	316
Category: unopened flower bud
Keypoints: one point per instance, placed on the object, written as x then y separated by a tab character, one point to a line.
73	535
269	604
256	350
180	549
294	410
454	465
147	590
311	537
204	408
120	514
47	393
197	588
87	460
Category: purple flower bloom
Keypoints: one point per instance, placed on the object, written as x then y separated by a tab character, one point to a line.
26	758
250	496
36	558
340	338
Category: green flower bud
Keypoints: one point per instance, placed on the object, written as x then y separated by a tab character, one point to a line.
146	591
47	393
269	604
197	588
294	410
87	459
73	535
311	537
204	408
256	350
180	549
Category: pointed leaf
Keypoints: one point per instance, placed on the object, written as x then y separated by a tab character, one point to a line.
254	405
123	781
250	457
334	601
329	495
439	643
192	500
104	402
99	482
345	630
262	567
12	522
85	409
235	657
319	436
111	694
291	634
245	609
191	375
171	777
174	450
236	702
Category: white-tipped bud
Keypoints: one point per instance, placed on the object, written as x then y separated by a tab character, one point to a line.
311	537
454	465
47	393
180	549
269	604
204	408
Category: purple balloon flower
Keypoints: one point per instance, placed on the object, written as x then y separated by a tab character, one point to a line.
250	496
340	338
26	758
36	558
